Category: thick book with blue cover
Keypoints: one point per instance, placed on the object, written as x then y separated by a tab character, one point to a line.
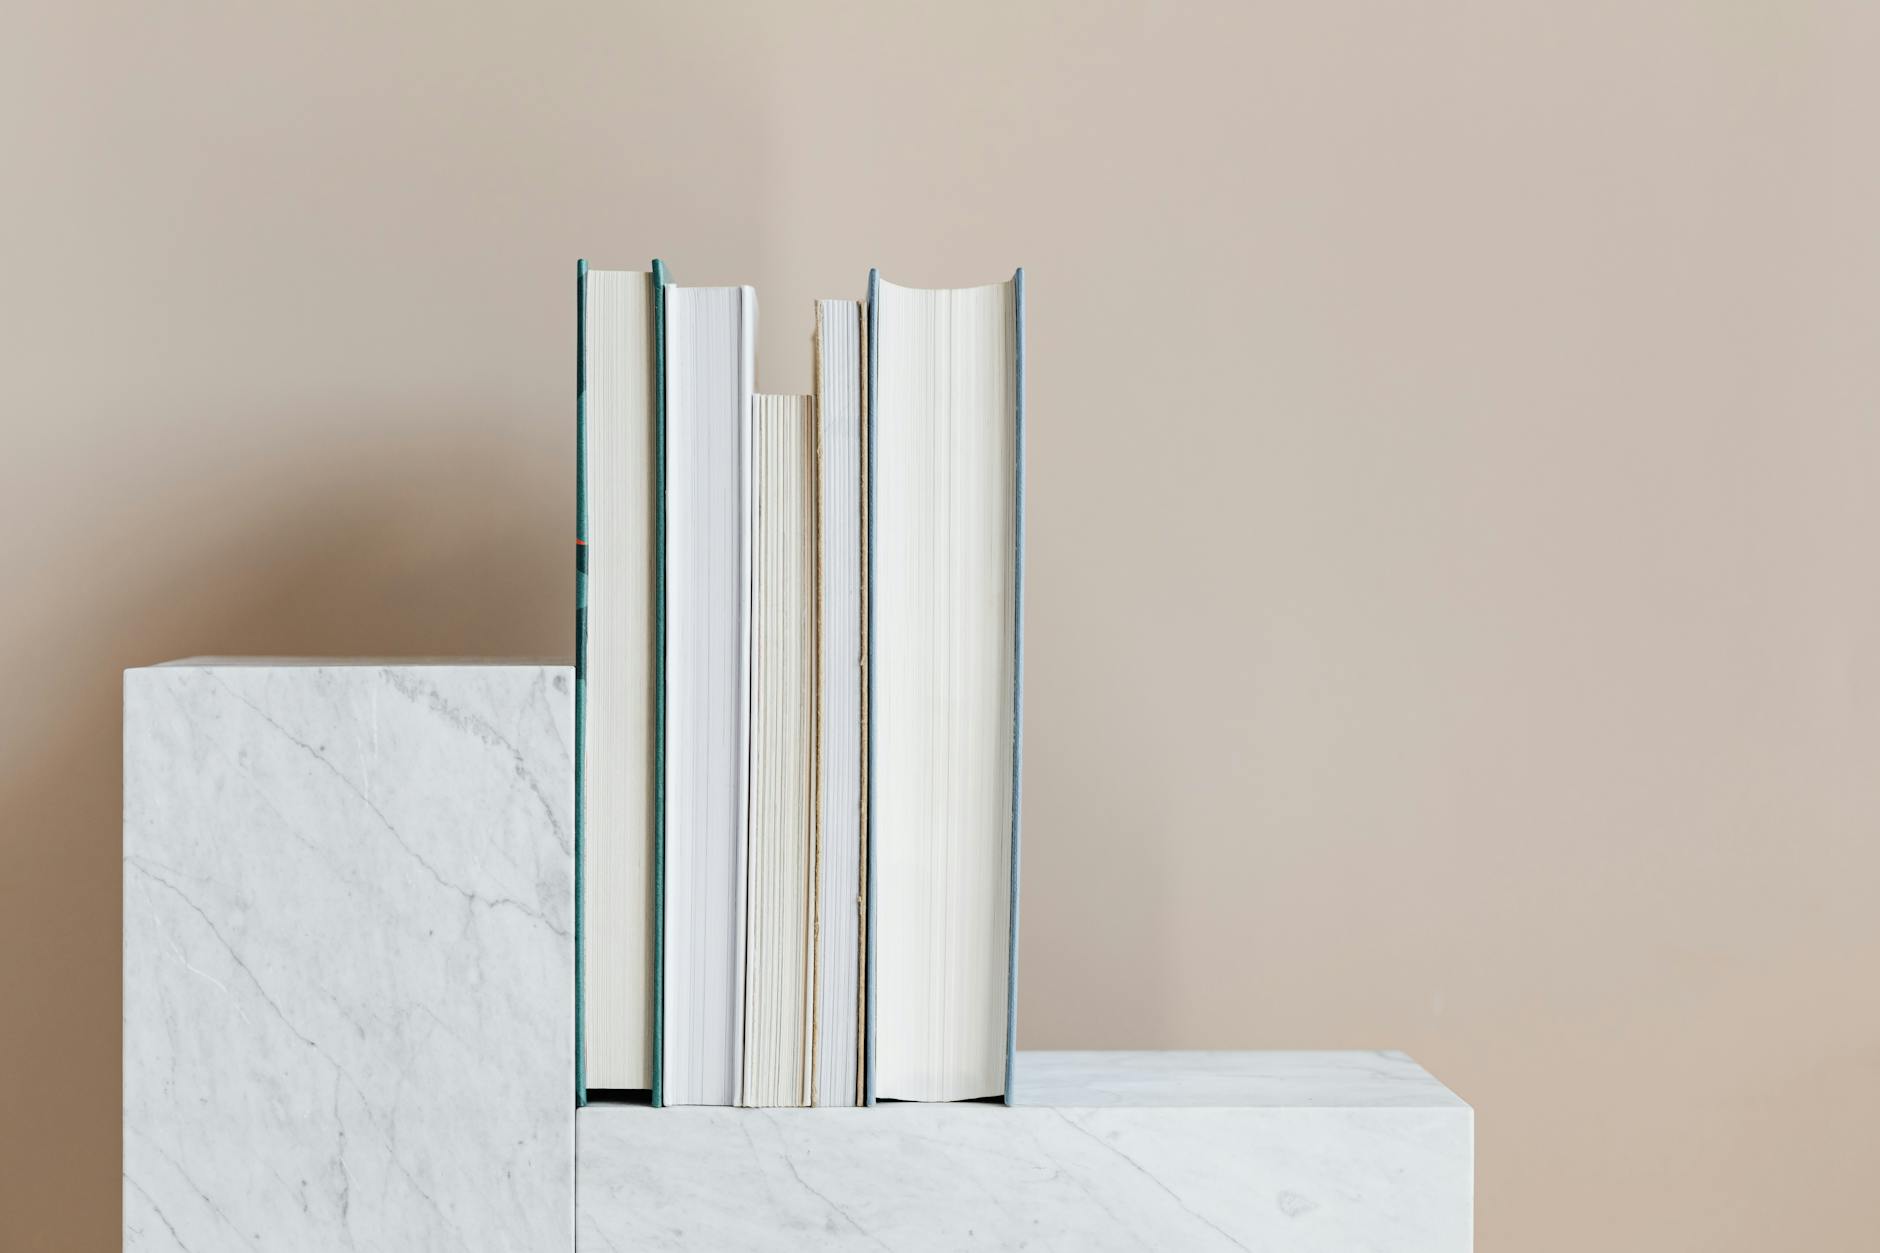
945	521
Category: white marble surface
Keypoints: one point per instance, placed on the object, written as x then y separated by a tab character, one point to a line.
1384	1080
348	963
1106	1151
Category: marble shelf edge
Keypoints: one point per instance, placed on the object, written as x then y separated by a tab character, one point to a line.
1102	1151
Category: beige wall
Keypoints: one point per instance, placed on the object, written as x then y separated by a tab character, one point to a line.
1454	615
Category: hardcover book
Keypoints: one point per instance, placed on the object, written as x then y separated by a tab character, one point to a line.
841	917
615	682
946	540
709	342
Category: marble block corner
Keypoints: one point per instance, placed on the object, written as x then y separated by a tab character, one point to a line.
348	956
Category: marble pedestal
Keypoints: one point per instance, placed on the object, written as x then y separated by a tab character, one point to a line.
348	995
348	959
1104	1151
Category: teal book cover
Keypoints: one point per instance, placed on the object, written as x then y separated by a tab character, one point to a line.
868	697
1018	664
659	682
580	677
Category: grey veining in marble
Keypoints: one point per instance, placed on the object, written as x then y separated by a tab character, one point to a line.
348	961
1106	1151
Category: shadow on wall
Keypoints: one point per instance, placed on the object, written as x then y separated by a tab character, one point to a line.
468	558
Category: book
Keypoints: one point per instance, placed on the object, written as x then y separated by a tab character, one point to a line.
614	683
946	532
779	979
840	916
708	336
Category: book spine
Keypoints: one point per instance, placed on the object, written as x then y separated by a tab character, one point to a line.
868	687
862	574
819	471
659	683
580	680
1018	663
861	499
747	526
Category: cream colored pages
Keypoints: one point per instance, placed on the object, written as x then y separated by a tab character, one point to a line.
711	360
839	480
944	527
617	770
778	975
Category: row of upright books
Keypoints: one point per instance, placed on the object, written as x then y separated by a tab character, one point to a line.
798	697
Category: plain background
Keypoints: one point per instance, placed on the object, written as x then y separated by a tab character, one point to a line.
1453	611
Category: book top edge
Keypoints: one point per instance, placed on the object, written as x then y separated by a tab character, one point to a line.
934	291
